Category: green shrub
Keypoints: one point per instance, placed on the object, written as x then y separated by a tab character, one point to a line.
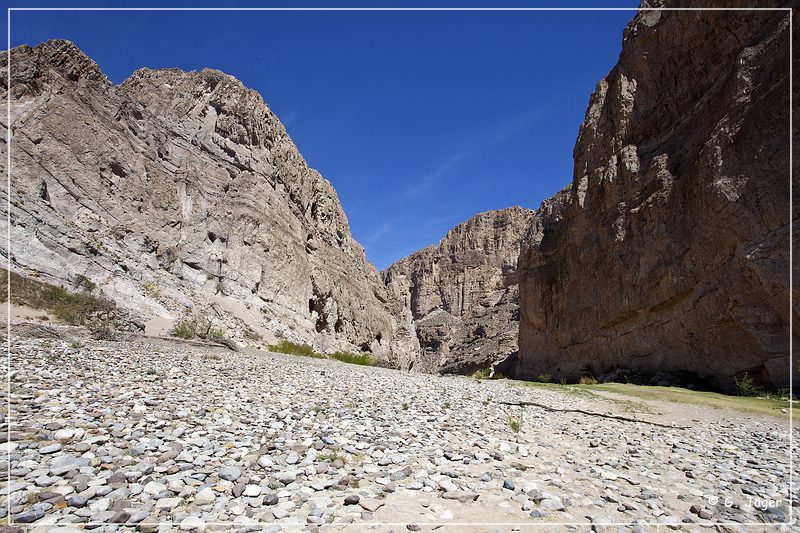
292	348
405	406
196	325
515	424
745	386
497	375
329	457
184	329
544	378
216	333
82	282
587	380
251	334
103	328
76	308
783	394
352	358
482	373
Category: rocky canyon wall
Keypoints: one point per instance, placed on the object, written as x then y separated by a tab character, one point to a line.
463	292
181	192
672	253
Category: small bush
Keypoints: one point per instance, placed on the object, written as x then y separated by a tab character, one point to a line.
82	282
292	348
76	308
544	378
587	380
196	326
103	328
498	375
352	358
184	329
482	373
405	406
251	334
745	386
781	394
515	424
329	457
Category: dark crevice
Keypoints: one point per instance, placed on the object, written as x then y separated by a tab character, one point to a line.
117	169
43	194
590	413
213	237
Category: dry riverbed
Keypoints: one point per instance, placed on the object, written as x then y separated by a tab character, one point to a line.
148	436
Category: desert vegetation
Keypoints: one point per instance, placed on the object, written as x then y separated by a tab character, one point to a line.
196	326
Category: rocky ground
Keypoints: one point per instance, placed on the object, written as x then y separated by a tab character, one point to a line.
148	436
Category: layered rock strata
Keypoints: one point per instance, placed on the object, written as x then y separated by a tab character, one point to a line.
181	192
463	293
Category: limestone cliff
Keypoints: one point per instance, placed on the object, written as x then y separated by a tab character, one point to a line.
463	292
673	253
180	192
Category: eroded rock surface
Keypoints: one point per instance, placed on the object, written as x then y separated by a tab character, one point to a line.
673	251
463	292
181	192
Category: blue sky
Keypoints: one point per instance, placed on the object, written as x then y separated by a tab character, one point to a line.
419	119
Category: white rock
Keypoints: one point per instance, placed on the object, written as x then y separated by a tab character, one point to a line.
205	496
192	523
154	488
252	491
64	434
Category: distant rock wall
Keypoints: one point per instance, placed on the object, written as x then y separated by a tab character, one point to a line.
673	253
463	292
180	192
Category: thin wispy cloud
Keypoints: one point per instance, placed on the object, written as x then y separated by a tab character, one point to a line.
289	118
380	231
501	134
427	181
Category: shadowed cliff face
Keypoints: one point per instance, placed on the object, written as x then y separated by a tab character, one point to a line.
673	253
180	192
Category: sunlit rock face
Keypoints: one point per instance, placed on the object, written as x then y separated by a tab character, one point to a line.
181	192
463	292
